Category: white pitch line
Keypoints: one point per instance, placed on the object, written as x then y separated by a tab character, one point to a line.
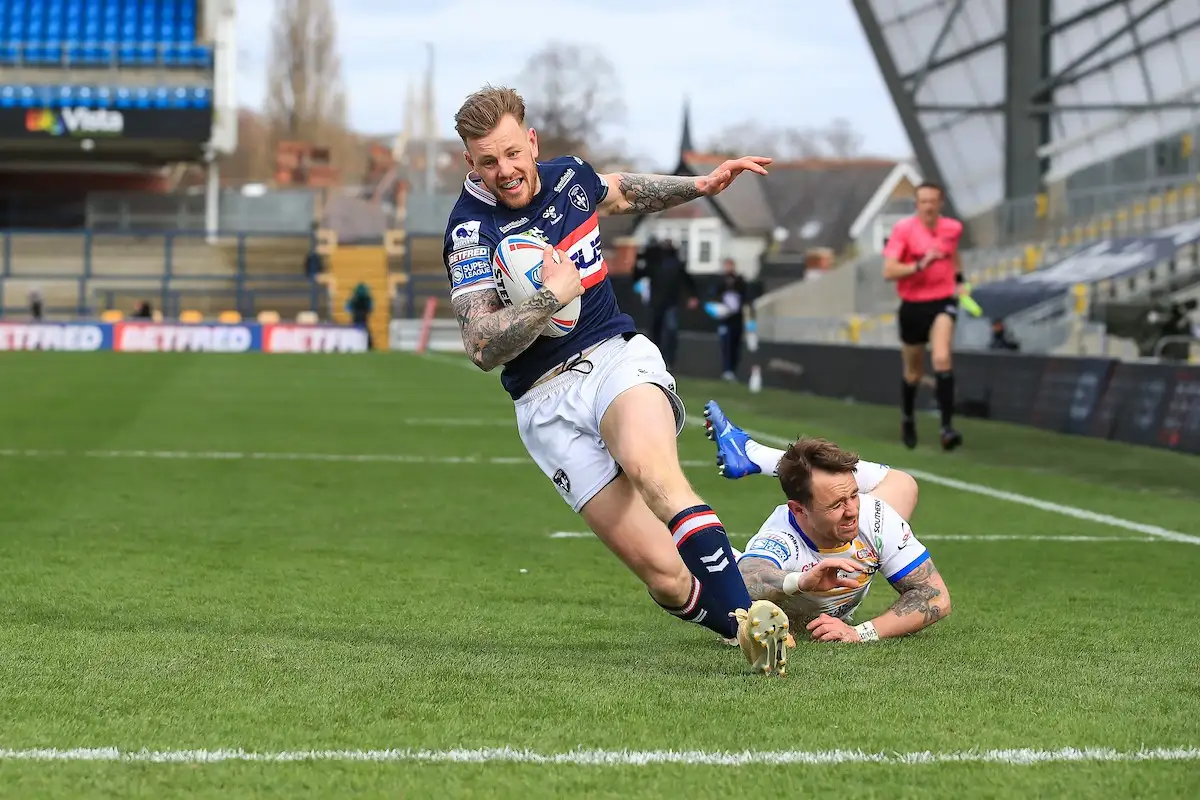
1011	497
940	537
615	758
214	455
987	491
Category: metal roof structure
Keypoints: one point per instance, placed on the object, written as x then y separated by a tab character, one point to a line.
1001	97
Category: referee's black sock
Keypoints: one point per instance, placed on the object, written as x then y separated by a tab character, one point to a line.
945	396
908	396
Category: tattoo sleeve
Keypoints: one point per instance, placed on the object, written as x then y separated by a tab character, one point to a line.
918	595
645	194
764	581
493	333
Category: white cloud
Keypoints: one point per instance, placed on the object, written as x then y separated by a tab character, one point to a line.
778	61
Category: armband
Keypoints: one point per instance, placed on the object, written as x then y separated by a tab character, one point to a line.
791	583
866	632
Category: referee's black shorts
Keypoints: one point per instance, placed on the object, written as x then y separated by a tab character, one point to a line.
916	319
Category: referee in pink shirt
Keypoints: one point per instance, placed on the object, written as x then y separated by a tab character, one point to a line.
922	257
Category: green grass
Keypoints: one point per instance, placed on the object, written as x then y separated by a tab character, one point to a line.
282	605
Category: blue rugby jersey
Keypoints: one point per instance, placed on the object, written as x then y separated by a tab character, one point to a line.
564	212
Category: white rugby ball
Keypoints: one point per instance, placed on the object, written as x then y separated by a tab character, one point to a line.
517	267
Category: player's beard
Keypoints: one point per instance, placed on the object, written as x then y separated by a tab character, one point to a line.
524	192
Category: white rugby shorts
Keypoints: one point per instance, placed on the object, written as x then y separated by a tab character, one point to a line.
559	420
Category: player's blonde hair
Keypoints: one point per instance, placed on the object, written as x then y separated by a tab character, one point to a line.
482	111
796	467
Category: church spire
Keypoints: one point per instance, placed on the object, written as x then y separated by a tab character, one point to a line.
685	140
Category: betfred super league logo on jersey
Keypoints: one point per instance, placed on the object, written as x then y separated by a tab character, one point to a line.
579	198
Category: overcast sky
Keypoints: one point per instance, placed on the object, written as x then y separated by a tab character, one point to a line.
783	62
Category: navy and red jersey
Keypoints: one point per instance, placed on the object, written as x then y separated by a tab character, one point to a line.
564	212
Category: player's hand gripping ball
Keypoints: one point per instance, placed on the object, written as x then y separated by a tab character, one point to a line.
520	273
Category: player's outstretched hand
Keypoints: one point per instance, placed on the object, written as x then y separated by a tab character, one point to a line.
717	180
825	575
831	629
560	275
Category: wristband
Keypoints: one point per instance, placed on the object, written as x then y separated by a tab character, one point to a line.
866	631
791	583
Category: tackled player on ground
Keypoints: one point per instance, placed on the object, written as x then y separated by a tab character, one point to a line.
844	521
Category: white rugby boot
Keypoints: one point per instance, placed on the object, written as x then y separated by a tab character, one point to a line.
763	637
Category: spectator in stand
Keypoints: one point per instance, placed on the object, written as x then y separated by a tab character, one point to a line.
144	311
359	306
36	303
666	269
728	308
1001	338
922	257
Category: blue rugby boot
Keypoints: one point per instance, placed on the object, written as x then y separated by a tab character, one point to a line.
732	461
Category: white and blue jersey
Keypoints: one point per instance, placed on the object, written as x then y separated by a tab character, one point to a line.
564	213
885	543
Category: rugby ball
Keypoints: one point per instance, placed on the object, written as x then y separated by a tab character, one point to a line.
517	267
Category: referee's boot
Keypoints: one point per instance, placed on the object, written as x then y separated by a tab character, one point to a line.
951	439
908	432
732	461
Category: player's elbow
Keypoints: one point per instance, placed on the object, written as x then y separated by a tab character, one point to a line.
906	485
943	604
479	358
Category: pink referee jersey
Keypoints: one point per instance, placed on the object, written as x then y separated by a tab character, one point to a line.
911	239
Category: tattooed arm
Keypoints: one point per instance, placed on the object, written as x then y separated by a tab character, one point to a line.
635	193
924	599
638	193
764	581
494	334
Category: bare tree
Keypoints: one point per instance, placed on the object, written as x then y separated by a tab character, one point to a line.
836	140
306	99
572	99
842	140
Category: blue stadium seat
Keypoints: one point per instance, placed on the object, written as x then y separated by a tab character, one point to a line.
57	96
101	32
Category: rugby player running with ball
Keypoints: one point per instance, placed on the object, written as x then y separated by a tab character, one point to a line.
596	409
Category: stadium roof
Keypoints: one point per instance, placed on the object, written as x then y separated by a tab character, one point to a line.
1090	80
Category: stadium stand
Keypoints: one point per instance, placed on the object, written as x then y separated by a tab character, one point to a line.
1067	144
99	34
104	106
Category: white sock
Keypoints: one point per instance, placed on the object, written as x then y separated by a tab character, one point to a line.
767	458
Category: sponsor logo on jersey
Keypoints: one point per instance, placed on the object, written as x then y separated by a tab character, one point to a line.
774	545
564	180
579	198
583	247
512	226
465	234
906	538
552	215
538	233
470	272
468	254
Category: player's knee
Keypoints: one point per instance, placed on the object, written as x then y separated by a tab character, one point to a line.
941	361
912	374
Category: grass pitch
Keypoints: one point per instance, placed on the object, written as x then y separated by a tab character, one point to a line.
327	553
